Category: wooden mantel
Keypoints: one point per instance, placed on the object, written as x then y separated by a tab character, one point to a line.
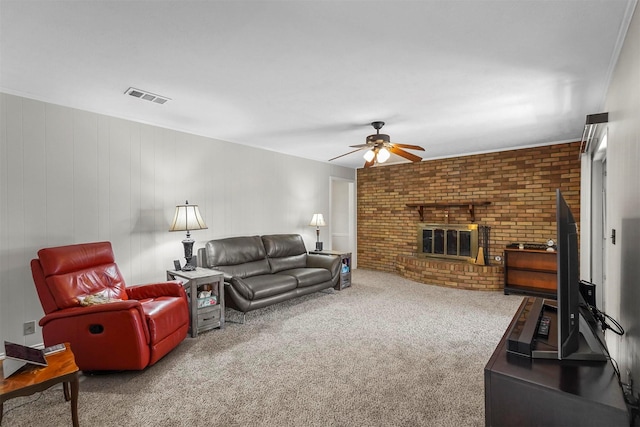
446	206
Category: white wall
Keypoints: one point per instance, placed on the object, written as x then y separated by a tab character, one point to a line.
69	176
622	293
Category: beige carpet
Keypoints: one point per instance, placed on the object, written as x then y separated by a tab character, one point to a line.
385	352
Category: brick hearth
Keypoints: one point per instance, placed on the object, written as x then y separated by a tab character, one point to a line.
451	273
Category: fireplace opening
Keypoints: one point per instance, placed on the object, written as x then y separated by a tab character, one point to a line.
448	241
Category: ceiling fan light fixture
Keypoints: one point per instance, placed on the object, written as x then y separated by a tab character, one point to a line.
369	155
383	155
378	138
379	148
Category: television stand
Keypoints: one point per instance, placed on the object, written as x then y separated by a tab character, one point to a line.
590	346
523	391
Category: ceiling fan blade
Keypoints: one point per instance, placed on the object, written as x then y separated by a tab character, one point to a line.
361	145
369	164
410	147
345	154
405	154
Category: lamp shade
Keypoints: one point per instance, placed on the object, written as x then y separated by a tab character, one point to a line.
317	220
186	218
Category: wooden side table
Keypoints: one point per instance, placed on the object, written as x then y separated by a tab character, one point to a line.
31	379
204	315
345	267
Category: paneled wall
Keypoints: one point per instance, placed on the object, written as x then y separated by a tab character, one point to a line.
70	176
622	286
520	184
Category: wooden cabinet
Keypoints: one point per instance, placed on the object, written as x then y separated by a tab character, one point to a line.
530	272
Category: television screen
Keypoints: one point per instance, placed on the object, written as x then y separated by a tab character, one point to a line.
568	279
576	338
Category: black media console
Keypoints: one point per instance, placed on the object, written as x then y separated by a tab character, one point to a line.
545	392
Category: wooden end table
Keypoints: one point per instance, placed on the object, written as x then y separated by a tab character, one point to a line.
61	368
209	316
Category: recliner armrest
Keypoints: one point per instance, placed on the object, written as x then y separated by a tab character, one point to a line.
171	288
91	309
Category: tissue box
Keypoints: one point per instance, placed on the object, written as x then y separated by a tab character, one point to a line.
207	301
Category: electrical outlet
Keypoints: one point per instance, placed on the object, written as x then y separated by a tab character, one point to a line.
29	327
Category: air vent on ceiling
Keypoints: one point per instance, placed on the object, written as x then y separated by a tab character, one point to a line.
147	96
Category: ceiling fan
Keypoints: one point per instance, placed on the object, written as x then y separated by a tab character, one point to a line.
380	147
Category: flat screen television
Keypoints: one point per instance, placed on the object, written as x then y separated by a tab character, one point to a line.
577	339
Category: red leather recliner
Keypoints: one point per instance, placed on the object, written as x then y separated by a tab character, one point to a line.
130	334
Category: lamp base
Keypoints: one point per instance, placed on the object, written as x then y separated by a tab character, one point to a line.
188	254
318	246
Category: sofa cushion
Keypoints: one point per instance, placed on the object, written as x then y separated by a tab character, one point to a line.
263	286
238	256
285	251
255	268
308	276
287	263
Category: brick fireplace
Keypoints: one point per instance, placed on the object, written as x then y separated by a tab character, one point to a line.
448	241
446	256
519	184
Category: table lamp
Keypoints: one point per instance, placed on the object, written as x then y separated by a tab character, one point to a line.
318	221
187	218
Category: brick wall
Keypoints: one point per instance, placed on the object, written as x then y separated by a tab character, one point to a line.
520	184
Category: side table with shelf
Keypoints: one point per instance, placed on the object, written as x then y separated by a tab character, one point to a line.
345	267
205	313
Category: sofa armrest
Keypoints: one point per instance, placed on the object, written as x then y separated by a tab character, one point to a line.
329	262
171	288
227	276
202	258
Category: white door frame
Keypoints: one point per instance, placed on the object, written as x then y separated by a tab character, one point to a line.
348	203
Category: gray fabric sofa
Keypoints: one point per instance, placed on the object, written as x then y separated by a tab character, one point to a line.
264	270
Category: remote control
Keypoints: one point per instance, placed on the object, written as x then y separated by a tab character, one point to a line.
543	329
54	349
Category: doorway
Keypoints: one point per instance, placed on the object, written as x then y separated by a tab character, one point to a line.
342	221
599	219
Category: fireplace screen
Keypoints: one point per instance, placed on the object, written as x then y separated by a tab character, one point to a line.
448	241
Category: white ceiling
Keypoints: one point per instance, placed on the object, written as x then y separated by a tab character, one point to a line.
307	77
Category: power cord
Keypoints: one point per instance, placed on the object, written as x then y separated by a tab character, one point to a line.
7	410
632	402
602	317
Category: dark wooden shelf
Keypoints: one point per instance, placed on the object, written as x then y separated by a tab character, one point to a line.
530	272
446	205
